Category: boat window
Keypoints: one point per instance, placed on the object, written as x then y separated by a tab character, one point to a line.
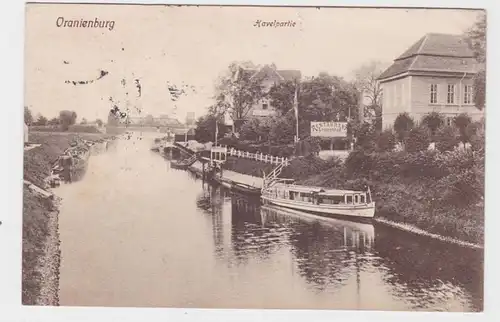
356	198
333	200
349	199
362	199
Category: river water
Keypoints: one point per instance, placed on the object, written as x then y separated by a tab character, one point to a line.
135	232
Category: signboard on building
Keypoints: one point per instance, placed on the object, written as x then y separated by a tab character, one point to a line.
329	129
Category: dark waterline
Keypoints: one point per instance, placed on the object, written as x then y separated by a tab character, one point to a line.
136	233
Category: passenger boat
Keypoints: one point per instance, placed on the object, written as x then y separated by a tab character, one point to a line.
322	201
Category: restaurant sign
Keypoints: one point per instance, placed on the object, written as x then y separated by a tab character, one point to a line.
329	129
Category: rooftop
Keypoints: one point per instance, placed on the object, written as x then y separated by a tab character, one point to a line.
436	53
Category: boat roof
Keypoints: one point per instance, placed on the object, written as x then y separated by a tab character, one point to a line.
323	190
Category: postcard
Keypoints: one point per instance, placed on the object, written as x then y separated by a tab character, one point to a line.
234	157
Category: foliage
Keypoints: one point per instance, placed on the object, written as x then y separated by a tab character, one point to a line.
283	129
365	136
237	92
28	116
476	37
308	146
462	122
206	128
282	95
41	121
321	98
480	89
477	136
386	141
433	121
255	129
53	121
67	118
446	138
366	82
402	126
418	140
99	122
83	121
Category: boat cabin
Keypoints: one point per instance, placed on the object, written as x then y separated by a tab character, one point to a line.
320	195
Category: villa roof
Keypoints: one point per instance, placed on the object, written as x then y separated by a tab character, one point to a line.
434	53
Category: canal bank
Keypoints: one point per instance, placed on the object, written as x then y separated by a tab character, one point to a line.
158	237
41	254
432	194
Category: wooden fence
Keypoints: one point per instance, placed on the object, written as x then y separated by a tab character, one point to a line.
258	156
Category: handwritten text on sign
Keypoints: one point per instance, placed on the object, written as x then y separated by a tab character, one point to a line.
329	129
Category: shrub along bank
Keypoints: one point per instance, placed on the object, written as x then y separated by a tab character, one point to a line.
441	193
438	192
299	168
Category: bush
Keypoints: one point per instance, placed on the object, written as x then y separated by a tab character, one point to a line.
433	121
386	141
462	121
446	139
418	140
402	126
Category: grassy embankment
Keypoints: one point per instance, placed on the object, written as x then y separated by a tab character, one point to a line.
439	193
37	211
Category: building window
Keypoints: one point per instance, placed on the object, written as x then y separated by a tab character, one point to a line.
467	94
451	94
264	106
434	93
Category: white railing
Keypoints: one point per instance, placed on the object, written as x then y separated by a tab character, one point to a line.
258	157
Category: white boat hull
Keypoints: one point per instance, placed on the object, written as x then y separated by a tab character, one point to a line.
361	211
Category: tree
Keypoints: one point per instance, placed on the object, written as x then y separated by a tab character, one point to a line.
364	134
446	138
433	121
386	141
67	118
366	82
237	91
41	120
28	116
282	95
206	128
402	126
99	122
418	140
476	37
83	121
53	121
283	129
462	122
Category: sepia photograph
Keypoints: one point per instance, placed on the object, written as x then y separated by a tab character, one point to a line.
246	157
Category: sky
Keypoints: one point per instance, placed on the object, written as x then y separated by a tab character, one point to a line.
161	45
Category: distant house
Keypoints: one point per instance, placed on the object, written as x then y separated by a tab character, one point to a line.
434	74
268	76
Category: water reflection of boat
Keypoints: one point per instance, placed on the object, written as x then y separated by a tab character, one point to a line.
367	229
244	209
